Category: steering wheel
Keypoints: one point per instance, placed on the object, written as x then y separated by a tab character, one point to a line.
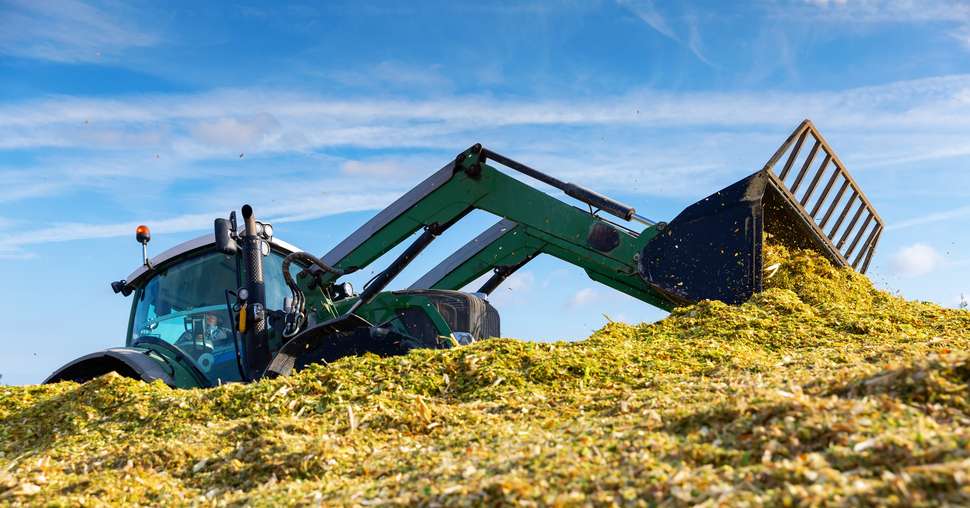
180	356
187	341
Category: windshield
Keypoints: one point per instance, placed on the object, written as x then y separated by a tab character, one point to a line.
185	305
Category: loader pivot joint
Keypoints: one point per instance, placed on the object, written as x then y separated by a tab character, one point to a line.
471	161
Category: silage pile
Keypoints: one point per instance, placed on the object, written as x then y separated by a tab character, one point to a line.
821	390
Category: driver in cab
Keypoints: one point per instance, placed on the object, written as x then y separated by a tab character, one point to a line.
201	344
210	335
213	333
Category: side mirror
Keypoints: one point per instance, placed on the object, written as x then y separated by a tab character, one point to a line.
121	286
225	243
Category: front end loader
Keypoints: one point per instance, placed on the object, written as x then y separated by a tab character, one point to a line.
240	305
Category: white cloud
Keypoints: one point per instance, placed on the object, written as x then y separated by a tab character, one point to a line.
916	260
583	297
68	31
373	168
238	132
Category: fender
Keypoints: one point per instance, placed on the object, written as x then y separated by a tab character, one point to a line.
133	363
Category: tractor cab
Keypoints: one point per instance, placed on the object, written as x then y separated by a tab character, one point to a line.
188	303
183	325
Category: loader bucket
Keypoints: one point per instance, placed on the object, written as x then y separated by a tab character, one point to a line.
713	249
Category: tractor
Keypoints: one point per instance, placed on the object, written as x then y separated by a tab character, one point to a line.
240	305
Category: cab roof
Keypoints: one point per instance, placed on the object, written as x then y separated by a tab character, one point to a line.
197	244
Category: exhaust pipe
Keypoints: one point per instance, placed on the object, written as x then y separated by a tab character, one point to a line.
255	343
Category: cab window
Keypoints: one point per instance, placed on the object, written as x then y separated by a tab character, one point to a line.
185	305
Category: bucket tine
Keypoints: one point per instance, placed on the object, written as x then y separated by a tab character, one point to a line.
793	156
868	248
818	176
852	223
858	237
835	203
841	219
808	163
825	194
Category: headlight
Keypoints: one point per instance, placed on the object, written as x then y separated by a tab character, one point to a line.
347	289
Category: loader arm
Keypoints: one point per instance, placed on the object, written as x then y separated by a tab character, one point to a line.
506	247
533	222
710	250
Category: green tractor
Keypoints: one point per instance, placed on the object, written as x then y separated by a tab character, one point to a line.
239	304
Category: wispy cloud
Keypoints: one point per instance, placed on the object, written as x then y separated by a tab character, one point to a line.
611	137
631	143
962	35
428	78
648	12
922	220
826	3
885	11
68	31
292	209
954	12
274	120
21	186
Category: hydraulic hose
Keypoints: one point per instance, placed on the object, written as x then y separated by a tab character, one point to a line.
309	258
296	315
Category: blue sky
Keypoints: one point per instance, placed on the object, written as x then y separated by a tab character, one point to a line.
114	114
